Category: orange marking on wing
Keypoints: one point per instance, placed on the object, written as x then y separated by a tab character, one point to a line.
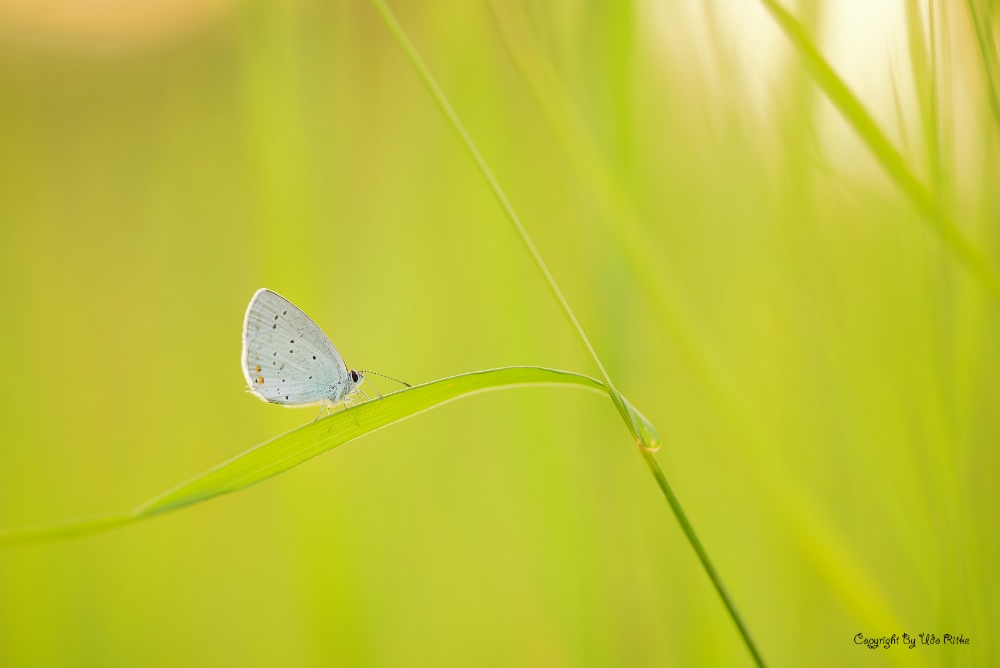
260	379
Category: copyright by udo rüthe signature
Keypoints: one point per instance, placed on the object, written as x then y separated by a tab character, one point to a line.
908	641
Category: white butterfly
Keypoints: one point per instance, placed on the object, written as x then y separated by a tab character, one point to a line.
288	360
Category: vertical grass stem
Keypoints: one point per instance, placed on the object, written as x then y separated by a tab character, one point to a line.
439	97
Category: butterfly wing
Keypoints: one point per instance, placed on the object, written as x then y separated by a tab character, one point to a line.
287	359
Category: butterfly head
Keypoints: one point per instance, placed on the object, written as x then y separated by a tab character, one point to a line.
344	390
354	379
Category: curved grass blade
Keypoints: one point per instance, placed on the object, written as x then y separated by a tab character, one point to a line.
302	444
887	155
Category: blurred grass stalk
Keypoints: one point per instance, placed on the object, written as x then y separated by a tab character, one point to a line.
822	543
931	202
927	202
982	21
645	448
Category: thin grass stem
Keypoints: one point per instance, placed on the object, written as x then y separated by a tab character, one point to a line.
456	124
713	575
445	106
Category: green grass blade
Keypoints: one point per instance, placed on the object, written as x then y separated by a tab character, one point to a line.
627	415
988	50
854	112
302	444
308	441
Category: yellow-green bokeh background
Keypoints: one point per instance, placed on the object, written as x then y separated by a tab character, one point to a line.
824	374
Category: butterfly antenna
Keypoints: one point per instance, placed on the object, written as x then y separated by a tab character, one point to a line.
395	380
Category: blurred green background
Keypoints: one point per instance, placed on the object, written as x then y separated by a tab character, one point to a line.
822	370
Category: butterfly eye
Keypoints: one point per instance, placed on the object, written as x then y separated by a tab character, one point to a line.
354	376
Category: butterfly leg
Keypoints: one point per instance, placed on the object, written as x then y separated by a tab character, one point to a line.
323	404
